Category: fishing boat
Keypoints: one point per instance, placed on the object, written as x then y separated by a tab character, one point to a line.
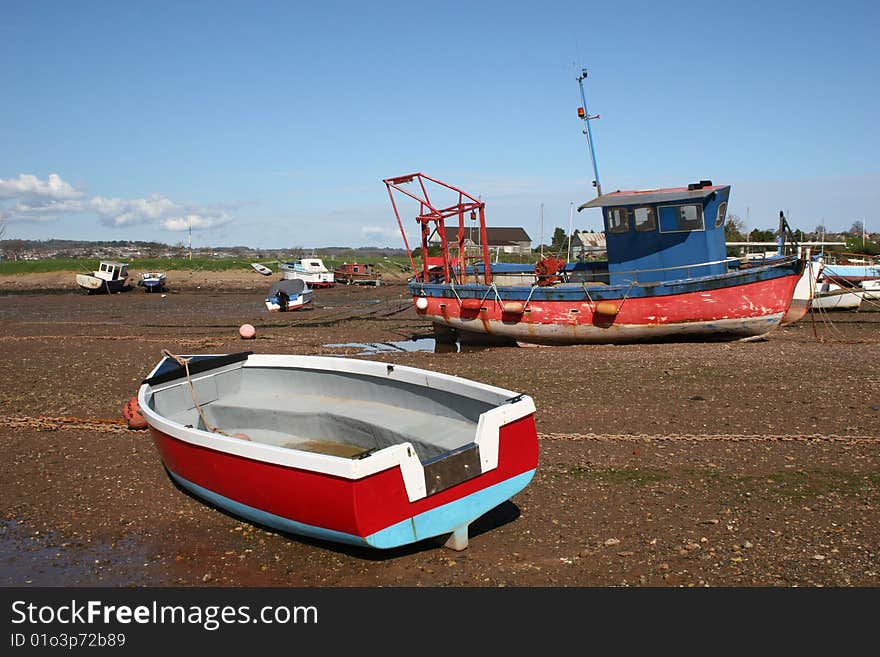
346	450
108	278
357	273
310	270
152	281
287	295
666	277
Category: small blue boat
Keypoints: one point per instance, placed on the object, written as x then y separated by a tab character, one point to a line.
152	281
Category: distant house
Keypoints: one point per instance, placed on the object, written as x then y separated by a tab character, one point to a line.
505	240
585	245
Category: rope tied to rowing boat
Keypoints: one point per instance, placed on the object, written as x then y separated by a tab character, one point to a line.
184	363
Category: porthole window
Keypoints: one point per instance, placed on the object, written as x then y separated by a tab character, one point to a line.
722	213
618	220
644	219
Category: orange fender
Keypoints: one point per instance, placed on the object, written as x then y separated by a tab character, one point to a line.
132	414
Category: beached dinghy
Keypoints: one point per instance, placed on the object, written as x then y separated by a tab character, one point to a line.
288	294
346	450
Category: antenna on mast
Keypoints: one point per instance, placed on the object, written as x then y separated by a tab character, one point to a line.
586	118
542	230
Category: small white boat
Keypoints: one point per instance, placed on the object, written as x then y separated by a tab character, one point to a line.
311	270
286	295
109	277
340	449
872	289
152	281
830	296
261	269
804	291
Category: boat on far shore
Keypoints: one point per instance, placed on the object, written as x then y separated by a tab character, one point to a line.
310	270
110	277
357	273
872	289
831	296
152	281
850	271
287	295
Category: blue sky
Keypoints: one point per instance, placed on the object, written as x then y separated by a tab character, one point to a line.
273	124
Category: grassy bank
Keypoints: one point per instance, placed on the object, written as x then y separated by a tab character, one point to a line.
12	267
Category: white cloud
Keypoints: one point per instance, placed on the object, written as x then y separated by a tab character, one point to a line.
29	199
121	212
27	186
194	221
368	232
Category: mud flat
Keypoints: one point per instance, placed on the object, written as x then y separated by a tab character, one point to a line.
725	464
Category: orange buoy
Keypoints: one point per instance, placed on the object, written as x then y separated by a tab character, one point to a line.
607	308
471	305
247	331
132	414
513	308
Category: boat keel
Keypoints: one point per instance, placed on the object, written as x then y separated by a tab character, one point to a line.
458	539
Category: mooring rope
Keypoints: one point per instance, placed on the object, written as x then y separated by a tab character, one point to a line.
529	298
184	363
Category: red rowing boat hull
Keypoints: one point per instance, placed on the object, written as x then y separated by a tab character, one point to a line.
353	507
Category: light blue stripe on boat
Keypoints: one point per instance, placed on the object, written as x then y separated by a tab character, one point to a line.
441	520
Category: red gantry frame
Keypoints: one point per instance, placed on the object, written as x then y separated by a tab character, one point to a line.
454	268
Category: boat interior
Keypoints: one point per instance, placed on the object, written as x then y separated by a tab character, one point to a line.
332	412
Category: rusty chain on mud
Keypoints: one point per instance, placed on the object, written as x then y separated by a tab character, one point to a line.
48	423
684	437
114	425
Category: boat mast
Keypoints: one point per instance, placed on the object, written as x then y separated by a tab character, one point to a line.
586	118
570	223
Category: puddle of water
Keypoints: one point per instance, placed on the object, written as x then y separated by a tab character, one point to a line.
29	558
417	344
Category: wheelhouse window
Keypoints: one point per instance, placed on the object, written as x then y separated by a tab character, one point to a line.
722	214
644	219
681	218
618	220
